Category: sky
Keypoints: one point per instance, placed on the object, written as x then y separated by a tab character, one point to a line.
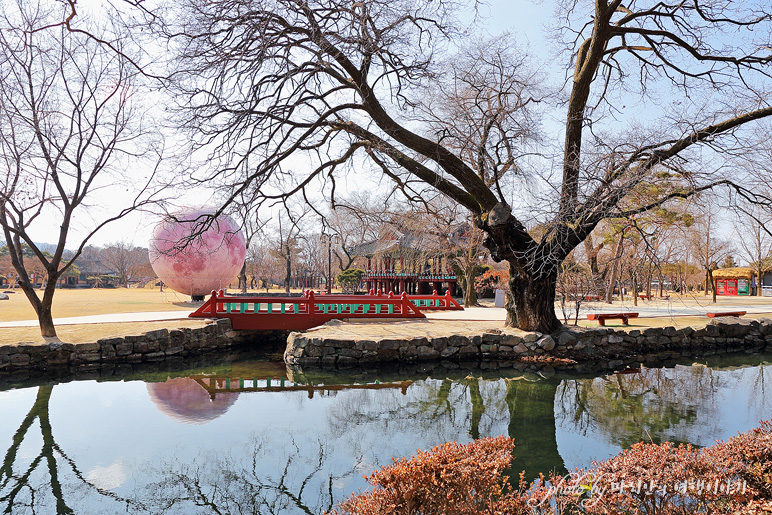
525	20
528	21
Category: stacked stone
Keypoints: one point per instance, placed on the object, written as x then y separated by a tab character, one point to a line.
155	345
618	347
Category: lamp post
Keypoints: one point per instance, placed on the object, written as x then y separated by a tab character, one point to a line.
329	241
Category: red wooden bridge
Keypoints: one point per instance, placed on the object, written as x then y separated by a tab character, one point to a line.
226	384
310	310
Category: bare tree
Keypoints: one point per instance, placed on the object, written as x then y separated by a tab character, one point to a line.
252	226
290	226
356	220
340	82
708	249
70	124
125	260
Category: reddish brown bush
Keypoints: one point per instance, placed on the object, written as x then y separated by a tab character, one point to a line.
646	479
450	479
649	479
747	458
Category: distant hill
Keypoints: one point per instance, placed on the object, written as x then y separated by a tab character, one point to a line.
46	247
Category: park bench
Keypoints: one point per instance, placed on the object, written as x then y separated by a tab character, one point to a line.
646	297
593	297
602	317
726	314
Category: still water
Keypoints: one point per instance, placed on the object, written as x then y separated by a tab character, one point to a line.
218	439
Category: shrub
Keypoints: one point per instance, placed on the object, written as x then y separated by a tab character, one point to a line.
349	279
450	479
646	479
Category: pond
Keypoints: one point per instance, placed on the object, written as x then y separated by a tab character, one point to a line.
248	437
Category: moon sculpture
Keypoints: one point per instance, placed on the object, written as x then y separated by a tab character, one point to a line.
195	254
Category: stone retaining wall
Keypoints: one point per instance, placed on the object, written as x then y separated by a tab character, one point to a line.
157	345
615	347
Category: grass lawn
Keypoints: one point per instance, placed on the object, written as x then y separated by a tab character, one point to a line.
88	333
95	301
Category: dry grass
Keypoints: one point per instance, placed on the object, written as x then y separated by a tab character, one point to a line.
80	302
91	301
88	333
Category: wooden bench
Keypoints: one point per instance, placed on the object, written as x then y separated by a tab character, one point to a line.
602	317
593	297
646	297
726	314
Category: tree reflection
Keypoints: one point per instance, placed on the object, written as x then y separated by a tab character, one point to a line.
531	406
678	405
441	410
269	479
19	490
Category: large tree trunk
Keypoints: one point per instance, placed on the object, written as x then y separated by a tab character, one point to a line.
532	301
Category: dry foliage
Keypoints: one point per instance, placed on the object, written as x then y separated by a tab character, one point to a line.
733	477
451	479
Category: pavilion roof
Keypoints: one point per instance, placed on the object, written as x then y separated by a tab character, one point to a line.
733	273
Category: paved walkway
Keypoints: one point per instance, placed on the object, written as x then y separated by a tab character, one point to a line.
658	308
644	309
150	316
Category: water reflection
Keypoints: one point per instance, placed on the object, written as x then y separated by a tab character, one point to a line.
35	481
184	399
299	443
275	475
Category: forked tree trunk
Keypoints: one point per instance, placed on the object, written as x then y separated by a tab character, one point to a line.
532	301
45	317
42	307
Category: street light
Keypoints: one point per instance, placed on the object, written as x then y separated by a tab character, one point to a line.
328	240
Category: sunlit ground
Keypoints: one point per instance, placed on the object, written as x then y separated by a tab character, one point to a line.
91	301
80	302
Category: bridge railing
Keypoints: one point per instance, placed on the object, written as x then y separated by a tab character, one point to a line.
434	301
306	311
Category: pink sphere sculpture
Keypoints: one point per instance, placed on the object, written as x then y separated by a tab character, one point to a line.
193	254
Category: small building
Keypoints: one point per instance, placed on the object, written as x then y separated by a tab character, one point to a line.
402	261
766	283
734	281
